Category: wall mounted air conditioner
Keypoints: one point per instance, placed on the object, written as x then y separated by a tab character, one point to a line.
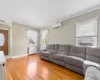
57	25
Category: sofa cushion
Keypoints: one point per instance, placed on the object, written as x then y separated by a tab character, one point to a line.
63	49
93	54
56	47
75	61
59	57
77	51
88	63
61	63
45	53
45	58
74	68
50	47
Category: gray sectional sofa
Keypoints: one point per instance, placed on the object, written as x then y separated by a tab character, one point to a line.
75	58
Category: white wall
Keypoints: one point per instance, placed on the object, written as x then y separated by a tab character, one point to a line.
19	39
67	34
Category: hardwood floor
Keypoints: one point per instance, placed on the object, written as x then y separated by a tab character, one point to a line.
33	68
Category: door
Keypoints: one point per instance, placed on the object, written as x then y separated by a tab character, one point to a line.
4	41
32	41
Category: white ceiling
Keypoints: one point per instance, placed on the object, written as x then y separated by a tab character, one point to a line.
39	13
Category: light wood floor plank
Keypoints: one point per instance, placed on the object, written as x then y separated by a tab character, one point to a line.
33	68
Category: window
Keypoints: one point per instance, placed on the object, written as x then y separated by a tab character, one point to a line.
2	39
44	38
32	37
86	33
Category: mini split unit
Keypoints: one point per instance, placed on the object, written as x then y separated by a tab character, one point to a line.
57	25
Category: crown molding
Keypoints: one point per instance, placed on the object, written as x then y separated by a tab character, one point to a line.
27	26
31	26
74	15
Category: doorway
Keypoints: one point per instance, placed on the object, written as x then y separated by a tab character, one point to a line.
32	41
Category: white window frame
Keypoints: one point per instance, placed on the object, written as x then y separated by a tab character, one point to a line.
43	46
84	22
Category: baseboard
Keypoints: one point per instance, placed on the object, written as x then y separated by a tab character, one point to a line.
19	56
8	57
33	53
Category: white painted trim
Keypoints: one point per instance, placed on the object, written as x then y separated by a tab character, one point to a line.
74	15
8	57
19	56
71	16
28	25
33	53
87	21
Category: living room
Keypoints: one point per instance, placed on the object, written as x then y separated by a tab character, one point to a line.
50	40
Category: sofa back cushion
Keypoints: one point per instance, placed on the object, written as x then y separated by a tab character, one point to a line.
93	54
63	49
50	47
56	47
77	51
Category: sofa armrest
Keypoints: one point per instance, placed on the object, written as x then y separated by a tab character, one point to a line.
43	50
87	63
53	51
